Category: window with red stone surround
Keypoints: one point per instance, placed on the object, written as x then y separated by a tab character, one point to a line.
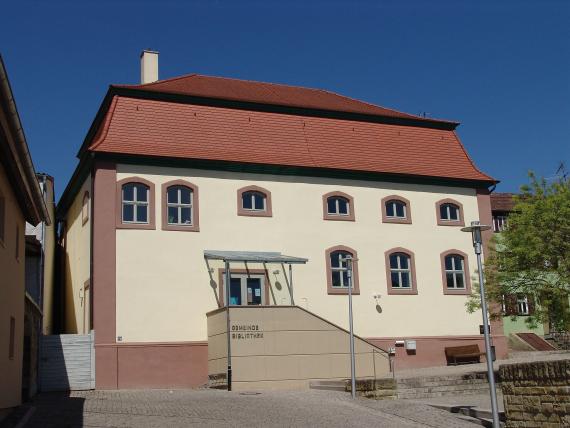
406	219
330	268
337	201
85	208
253	192
150	213
453	270
181	206
409	271
459	221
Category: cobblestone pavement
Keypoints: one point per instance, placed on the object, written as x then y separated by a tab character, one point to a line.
210	408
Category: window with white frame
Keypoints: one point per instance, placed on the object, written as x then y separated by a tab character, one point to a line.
449	212
253	201
337	205
522	305
396	209
339	271
400	270
499	223
455	271
179	201
135	201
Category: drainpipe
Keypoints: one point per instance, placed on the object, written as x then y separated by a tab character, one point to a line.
41	291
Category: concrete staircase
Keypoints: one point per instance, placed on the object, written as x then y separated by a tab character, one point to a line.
440	386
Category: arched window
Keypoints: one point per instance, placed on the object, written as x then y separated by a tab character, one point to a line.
180	206
396	209
337	270
254	201
135	203
85	208
338	206
449	213
135	197
400	271
455	272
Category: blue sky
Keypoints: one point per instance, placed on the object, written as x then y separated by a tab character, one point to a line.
502	69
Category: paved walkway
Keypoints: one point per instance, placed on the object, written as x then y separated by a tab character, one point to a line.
211	408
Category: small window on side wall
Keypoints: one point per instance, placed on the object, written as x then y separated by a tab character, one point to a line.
449	213
337	270
85	208
2	219
254	201
396	209
135	200
455	272
400	271
180	203
338	206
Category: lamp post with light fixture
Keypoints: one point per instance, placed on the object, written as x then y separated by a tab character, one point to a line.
475	229
348	260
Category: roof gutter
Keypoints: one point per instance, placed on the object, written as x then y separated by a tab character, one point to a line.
35	202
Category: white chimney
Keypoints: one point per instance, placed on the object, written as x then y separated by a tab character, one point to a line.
149	66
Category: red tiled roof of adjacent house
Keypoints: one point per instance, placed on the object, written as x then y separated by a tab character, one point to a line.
271	94
502	201
162	128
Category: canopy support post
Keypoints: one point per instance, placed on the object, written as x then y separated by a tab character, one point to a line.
291	284
228	279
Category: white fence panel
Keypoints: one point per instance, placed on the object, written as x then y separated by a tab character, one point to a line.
67	362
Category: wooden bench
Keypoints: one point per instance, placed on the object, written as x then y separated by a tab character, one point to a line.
463	354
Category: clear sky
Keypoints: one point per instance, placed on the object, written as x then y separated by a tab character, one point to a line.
501	68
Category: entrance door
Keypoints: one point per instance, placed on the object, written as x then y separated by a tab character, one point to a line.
247	289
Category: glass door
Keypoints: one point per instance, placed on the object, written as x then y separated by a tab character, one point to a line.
247	290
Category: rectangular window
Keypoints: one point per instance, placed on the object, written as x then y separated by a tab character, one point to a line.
522	305
12	343
17	242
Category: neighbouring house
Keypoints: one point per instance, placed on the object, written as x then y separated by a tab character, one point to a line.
21	201
179	179
516	307
38	318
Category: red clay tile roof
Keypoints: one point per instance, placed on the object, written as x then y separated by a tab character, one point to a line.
272	94
502	201
178	130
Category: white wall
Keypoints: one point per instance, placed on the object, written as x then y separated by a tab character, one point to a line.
163	285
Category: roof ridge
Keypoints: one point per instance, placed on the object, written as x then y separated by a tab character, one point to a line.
305	88
170	79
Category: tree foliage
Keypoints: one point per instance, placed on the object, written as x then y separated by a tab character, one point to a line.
532	256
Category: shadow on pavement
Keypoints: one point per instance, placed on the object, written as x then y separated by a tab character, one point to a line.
49	410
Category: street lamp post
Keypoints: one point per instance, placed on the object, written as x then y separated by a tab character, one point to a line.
475	230
348	260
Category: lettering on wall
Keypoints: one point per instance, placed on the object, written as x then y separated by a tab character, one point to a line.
246	331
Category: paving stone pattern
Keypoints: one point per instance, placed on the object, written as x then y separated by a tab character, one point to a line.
211	408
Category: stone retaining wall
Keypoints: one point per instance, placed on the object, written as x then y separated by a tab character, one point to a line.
536	394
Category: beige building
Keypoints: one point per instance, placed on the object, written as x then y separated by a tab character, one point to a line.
173	169
20	202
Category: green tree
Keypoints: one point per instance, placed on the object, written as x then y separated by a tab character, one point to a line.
532	256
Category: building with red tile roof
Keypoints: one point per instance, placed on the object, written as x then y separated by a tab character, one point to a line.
172	169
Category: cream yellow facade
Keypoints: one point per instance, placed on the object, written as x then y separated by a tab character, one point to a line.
164	287
49	260
12	291
78	262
